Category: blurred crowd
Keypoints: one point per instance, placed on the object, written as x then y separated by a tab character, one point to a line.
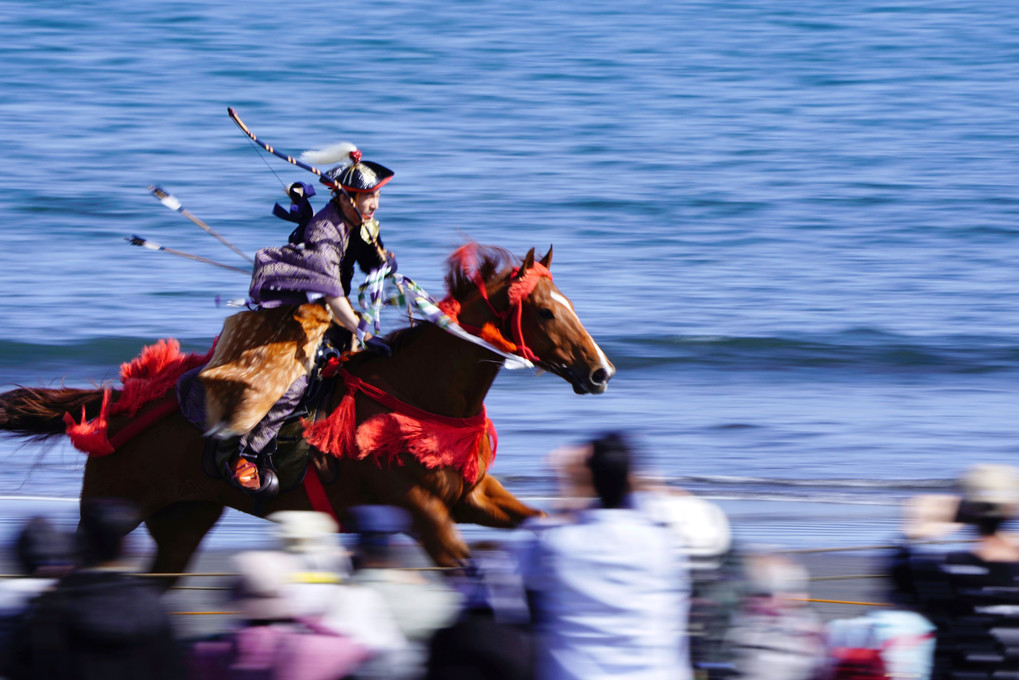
624	578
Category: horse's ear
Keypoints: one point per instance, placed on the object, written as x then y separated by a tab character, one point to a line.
547	260
528	263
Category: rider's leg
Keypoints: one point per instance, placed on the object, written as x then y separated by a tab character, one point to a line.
249	450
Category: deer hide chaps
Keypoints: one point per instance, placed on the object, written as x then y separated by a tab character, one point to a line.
259	354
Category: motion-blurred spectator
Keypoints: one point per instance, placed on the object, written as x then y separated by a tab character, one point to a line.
608	590
99	621
321	563
884	643
272	642
43	554
418	603
491	637
478	647
971	596
776	635
320	590
716	571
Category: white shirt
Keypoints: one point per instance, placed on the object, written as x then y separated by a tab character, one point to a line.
613	596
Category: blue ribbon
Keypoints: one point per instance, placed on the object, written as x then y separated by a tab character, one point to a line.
300	211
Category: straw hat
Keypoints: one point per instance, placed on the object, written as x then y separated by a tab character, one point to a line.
987	490
701	525
993	484
261	590
304	530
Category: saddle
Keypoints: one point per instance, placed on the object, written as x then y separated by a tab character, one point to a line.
257	358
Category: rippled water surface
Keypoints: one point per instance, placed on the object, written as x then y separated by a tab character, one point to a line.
792	226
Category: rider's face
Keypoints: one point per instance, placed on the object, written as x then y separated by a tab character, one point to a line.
366	203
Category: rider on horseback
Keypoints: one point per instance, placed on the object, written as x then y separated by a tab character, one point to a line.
317	265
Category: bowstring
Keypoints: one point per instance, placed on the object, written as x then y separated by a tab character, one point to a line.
257	149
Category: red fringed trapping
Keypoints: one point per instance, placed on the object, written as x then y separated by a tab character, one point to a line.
434	445
433	440
154	372
494	337
451	308
335	434
90	436
522	288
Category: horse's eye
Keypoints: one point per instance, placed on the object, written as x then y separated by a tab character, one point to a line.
546	313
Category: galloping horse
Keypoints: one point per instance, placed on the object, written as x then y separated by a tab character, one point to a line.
160	468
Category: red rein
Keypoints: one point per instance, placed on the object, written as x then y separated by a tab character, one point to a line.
519	290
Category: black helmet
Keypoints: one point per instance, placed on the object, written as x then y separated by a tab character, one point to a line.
354	174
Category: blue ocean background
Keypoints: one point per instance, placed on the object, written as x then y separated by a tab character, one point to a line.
792	226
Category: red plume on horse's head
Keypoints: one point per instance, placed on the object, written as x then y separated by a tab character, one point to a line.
465	258
526	277
473	265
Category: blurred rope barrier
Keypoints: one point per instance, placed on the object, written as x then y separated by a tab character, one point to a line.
803	551
849	577
862	604
857	548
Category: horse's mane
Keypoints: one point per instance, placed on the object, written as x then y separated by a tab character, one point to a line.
473	259
403	336
463	264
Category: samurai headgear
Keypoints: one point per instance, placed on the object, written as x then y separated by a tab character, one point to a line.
352	173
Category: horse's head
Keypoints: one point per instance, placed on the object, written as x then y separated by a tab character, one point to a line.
554	334
532	317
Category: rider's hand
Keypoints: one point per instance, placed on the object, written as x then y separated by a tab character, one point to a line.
391	261
378	346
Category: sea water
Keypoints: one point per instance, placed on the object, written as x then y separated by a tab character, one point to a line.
791	226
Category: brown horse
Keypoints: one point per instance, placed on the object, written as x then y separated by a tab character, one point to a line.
160	469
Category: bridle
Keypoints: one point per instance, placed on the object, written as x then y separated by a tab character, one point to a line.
519	290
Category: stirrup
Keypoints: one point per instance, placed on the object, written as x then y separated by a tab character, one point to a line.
262	484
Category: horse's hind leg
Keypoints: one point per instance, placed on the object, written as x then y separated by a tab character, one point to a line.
178	529
490	504
437	534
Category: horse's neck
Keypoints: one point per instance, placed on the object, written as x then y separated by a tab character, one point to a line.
443	374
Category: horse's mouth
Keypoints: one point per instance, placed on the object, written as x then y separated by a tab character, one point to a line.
596	382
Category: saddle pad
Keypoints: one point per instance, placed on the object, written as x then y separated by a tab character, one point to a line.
260	353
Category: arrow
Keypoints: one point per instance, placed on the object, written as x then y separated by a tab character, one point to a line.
152	245
171	202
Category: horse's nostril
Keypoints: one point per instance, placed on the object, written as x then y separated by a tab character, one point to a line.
600	376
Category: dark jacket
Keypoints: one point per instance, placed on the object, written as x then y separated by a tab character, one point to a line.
973	603
476	647
96	625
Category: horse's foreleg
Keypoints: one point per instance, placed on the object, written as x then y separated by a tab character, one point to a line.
490	504
177	530
435	528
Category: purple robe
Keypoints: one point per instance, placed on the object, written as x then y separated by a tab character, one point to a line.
288	274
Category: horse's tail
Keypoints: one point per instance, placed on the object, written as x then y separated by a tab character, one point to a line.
38	412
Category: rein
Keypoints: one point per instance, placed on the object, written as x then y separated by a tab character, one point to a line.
355	384
371	299
519	290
